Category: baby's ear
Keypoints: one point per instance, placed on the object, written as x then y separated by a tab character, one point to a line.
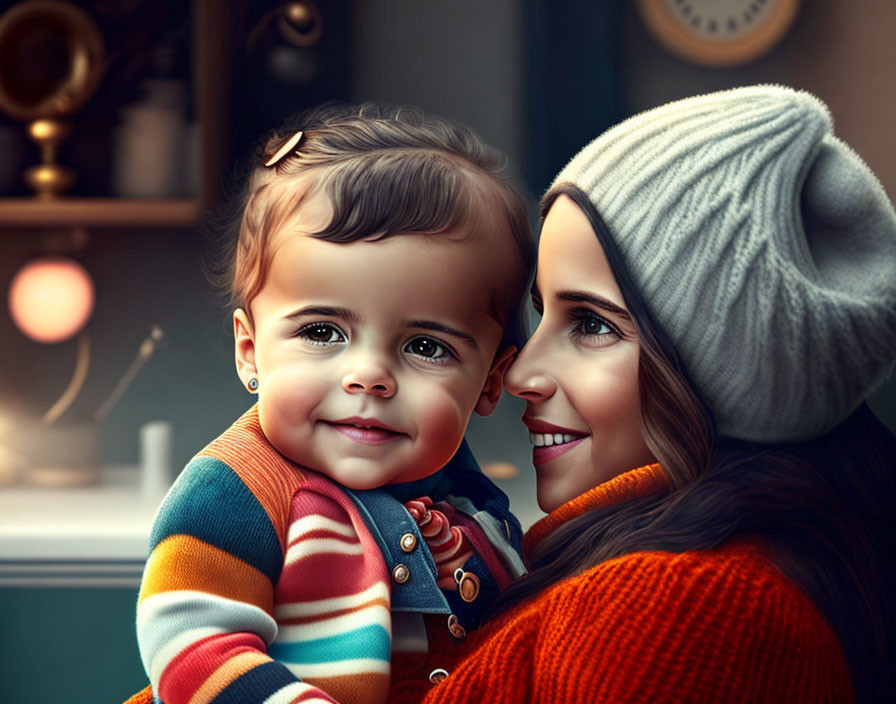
244	346
494	382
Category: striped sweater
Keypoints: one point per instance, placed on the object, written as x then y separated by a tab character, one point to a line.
263	584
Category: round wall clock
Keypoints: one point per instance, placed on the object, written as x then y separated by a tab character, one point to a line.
718	32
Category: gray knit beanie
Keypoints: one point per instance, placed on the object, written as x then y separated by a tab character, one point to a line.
763	247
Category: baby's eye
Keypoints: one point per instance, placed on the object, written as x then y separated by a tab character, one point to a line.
321	334
429	349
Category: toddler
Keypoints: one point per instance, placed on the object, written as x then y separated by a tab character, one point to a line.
377	277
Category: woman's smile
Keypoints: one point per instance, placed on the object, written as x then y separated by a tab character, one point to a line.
549	440
542	454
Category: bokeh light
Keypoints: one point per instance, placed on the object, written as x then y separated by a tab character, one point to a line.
51	299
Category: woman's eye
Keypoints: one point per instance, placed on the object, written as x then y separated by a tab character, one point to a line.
321	334
588	323
429	349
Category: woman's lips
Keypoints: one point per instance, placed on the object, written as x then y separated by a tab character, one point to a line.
549	440
543	454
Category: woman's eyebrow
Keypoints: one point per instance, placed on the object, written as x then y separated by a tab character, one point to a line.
326	311
444	329
597	301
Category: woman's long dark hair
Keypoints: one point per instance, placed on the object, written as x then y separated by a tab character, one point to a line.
822	508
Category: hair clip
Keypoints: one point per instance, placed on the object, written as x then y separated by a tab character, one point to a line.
291	144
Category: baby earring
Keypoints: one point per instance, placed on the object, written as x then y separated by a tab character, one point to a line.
253	384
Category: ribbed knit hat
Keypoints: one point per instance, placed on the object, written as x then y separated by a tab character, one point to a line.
763	247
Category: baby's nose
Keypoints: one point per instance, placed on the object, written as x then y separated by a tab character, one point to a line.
369	376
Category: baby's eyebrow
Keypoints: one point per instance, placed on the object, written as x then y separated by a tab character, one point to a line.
327	311
439	327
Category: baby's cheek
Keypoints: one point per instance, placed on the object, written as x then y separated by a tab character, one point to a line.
442	427
281	405
284	416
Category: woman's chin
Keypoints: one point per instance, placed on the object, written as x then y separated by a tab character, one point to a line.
549	497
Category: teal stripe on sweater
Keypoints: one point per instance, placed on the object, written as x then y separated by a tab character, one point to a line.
366	642
210	502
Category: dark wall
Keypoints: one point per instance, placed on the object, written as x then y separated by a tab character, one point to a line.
534	80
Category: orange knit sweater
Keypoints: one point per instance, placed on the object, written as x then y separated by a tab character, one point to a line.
722	625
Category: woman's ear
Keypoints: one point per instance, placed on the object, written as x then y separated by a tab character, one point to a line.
494	382
244	346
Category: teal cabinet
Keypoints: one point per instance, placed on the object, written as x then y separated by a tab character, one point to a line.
69	645
70	566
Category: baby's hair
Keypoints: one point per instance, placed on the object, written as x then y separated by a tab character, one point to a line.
386	171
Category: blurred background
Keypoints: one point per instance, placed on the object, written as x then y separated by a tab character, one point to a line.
140	371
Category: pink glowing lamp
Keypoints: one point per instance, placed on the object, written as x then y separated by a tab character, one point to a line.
50	301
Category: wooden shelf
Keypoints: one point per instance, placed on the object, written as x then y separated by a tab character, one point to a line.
98	212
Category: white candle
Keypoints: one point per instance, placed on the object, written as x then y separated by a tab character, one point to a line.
156	471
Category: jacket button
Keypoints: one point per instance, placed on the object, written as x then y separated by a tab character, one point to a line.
401	574
455	628
468	586
408	542
437	675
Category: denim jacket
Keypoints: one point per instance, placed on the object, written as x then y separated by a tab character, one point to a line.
461	483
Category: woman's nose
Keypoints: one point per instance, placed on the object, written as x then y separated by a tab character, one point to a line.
528	377
368	375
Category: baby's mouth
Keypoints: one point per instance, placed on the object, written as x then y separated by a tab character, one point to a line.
367	431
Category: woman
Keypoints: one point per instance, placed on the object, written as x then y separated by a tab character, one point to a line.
717	280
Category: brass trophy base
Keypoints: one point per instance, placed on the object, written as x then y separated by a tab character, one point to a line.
49	179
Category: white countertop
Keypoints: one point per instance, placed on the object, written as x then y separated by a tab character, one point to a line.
98	536
84	536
